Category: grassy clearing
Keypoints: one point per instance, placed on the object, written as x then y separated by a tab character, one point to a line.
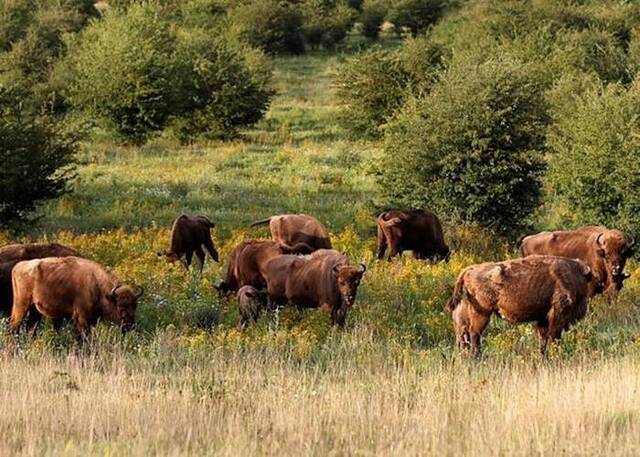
188	382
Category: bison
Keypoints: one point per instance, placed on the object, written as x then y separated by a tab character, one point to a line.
415	230
72	288
551	291
605	251
251	302
188	235
28	251
297	232
324	279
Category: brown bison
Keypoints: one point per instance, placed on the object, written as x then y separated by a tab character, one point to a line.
73	288
415	230
28	251
605	251
246	264
251	302
551	291
297	232
324	279
188	235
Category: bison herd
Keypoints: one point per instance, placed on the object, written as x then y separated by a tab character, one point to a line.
549	286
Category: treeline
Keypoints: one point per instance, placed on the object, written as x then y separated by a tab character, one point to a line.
509	113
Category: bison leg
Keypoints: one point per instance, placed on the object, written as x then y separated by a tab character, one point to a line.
542	328
339	316
18	313
477	325
187	259
33	322
201	256
208	244
381	243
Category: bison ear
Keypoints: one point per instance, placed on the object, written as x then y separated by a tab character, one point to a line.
112	296
363	268
139	292
336	268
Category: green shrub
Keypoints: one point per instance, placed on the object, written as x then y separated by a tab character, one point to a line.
272	25
374	85
36	158
416	15
594	168
472	149
161	74
372	16
326	22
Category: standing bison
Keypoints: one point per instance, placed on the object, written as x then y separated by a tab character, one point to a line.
324	279
605	251
415	230
246	264
189	235
73	288
297	232
551	291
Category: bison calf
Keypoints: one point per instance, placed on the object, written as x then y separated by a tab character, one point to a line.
551	291
299	233
324	279
188	236
73	288
251	302
416	230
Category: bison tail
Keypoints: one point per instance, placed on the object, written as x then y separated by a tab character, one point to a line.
261	222
458	293
519	245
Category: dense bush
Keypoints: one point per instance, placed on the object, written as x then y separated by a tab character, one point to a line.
272	25
160	73
416	15
374	85
472	149
326	22
594	167
35	155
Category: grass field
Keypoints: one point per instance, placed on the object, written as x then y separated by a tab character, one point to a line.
189	382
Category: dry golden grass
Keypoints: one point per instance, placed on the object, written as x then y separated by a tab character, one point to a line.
265	403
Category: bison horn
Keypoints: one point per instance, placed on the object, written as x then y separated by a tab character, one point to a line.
363	267
112	294
598	242
139	292
336	268
632	242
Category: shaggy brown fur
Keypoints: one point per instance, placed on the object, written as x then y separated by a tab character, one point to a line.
188	236
72	288
551	291
28	251
297	232
251	302
415	230
605	251
324	279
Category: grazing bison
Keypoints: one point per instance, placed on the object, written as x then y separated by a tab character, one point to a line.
298	232
246	264
73	288
416	230
605	251
6	289
324	279
251	302
188	235
551	291
28	251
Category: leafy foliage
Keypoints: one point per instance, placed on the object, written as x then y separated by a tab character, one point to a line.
36	157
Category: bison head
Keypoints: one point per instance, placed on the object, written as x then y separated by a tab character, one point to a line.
614	249
348	278
125	301
169	255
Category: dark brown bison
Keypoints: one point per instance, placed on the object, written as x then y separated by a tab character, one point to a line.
188	236
415	230
324	279
605	251
72	288
251	302
6	289
551	291
247	261
28	251
298	232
